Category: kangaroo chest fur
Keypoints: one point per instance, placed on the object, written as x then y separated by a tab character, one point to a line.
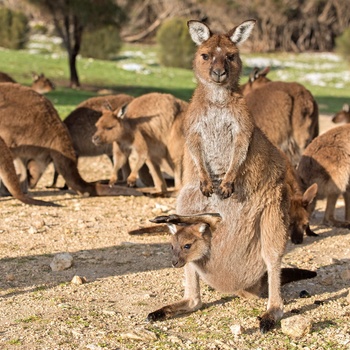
217	128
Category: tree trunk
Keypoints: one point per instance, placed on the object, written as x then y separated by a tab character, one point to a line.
74	79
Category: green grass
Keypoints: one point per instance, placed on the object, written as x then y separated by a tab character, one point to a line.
331	85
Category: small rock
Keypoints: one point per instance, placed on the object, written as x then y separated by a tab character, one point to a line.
61	261
32	230
345	275
140	334
304	294
327	281
10	277
237	329
78	280
38	224
296	326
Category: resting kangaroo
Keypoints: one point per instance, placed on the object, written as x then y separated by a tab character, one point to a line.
326	161
230	167
31	128
343	115
10	179
150	125
198	244
40	84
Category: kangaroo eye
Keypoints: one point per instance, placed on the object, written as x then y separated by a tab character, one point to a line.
187	246
109	128
205	57
231	57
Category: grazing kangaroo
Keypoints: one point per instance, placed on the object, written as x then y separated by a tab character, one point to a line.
230	167
257	78
151	126
40	84
197	244
326	161
343	115
30	126
10	179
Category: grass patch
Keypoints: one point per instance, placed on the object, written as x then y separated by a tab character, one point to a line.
135	71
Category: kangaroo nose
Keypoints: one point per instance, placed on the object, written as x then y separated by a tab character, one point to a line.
218	75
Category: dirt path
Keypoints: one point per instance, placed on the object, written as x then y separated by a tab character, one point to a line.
130	276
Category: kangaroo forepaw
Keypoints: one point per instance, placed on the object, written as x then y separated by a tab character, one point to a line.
156	315
206	188
226	189
267	322
309	232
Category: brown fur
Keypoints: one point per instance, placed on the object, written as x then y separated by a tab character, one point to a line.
326	161
31	128
343	115
150	125
40	84
10	179
286	112
231	168
257	78
81	126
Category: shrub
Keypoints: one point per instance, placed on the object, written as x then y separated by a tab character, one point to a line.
101	43
342	44
176	48
14	29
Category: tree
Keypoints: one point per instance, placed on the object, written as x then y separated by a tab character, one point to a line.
72	17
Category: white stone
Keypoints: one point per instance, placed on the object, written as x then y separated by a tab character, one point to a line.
296	326
61	261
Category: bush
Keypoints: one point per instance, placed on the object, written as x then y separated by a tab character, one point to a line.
14	29
101	43
176	48
342	44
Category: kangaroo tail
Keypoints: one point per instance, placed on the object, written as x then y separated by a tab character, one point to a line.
289	274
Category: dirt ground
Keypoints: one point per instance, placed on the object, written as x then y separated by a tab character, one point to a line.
130	276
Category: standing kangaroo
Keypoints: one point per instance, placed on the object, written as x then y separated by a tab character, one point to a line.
343	115
326	161
231	168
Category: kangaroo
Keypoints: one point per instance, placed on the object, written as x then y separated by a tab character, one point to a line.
326	161
10	179
257	78
343	115
30	125
230	167
81	126
40	84
196	243
151	126
286	111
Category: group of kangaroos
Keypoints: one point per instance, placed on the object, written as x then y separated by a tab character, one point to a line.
247	160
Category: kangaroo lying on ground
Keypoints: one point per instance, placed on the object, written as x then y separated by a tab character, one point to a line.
286	112
81	126
230	167
30	126
343	115
40	84
197	244
326	161
10	179
150	125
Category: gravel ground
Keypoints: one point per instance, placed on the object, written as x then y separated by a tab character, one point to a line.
129	276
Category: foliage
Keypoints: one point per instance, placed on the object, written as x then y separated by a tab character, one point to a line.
176	48
13	29
343	44
101	43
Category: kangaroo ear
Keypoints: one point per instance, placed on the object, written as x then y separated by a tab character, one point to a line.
172	228
241	33
264	71
106	105
199	31
309	195
122	112
346	108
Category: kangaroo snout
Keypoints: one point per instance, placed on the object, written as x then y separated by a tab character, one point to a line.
96	140
218	75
